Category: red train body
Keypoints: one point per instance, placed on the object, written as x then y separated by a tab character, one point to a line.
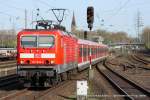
43	55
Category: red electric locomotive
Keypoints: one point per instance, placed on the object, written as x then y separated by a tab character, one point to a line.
46	56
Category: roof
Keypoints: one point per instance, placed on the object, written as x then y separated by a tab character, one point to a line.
73	20
87	42
47	31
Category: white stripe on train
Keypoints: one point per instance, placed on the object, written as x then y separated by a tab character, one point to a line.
32	55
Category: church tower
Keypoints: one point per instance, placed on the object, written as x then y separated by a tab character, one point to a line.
73	24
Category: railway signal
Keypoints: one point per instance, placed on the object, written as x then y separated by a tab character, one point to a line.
90	17
90	20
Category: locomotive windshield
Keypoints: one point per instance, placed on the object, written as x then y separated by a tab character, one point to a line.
29	41
45	41
37	41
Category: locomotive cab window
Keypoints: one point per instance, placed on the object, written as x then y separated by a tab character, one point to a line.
37	41
45	41
29	41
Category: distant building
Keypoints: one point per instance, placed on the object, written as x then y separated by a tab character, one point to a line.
73	24
98	39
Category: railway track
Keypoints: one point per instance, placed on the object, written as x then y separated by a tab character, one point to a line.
133	65
8	65
139	59
10	86
7	68
147	55
8	80
38	93
7	62
127	88
138	62
131	62
12	95
32	92
4	58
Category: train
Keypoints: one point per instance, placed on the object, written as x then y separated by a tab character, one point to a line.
48	56
8	53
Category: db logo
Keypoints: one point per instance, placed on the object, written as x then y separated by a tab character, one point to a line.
37	55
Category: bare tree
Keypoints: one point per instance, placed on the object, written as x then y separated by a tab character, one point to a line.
146	37
7	38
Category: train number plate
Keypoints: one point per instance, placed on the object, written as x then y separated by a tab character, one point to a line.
37	55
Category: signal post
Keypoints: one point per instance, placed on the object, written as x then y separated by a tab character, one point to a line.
81	85
90	20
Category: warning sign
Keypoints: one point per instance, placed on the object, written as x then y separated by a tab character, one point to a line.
82	87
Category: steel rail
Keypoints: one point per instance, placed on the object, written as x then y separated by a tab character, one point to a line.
140	59
136	87
6	80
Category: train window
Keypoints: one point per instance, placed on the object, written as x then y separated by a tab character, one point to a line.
96	51
92	51
89	51
29	41
80	52
84	52
45	41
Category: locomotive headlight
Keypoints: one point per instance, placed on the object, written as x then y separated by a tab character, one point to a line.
22	62
52	62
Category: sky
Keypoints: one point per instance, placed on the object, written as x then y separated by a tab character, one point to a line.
111	15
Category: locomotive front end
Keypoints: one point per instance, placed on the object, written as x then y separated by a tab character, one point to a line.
36	57
36	50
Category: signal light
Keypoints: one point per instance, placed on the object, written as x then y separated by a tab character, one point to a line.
21	62
90	17
52	62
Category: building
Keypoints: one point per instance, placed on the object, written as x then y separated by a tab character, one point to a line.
73	24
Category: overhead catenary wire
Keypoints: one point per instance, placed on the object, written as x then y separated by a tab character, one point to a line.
11	18
42	3
11	6
45	3
121	6
6	14
119	9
